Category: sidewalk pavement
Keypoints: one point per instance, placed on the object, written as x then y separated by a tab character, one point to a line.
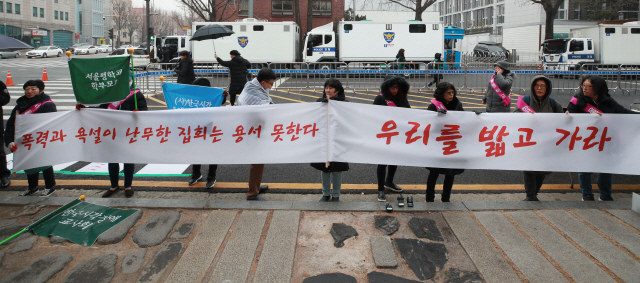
212	240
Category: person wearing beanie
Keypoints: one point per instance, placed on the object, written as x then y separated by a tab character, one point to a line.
33	101
498	96
238	71
4	171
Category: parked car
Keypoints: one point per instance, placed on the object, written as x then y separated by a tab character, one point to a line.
9	54
87	49
105	48
72	48
126	46
45	51
140	56
490	51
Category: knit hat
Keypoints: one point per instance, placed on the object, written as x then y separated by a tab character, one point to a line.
234	53
502	64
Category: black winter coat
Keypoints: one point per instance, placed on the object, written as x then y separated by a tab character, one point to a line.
4	99
403	86
22	104
185	72
454	105
605	103
128	105
237	73
333	166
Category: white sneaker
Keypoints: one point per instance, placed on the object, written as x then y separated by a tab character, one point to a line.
48	192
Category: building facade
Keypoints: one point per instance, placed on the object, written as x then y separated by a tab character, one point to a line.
39	22
515	24
93	20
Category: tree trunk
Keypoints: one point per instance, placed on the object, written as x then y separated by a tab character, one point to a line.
309	16
418	10
296	10
548	26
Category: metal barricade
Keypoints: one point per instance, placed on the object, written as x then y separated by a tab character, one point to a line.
524	73
563	77
318	73
610	73
414	73
477	76
290	75
628	81
366	76
446	72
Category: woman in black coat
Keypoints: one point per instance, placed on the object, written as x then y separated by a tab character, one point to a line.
394	91
333	172
237	73
445	100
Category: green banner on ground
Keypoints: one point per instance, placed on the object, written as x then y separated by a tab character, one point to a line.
100	80
79	222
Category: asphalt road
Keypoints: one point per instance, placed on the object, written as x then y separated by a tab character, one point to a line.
23	69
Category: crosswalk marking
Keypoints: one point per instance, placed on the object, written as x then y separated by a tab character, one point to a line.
96	168
163	169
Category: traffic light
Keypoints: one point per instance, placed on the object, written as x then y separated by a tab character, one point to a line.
150	33
110	33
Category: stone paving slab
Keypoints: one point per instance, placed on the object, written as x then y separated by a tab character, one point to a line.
7	222
57	201
237	257
156	229
19	200
612	228
116	233
524	255
133	261
149	203
96	270
506	205
621	264
41	270
382	251
161	261
183	231
279	248
628	216
488	260
590	204
24	245
338	206
199	255
572	260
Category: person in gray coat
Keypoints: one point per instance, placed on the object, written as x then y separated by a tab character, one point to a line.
537	102
504	80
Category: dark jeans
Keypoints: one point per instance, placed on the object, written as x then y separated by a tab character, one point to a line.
446	187
211	175
4	171
605	182
385	176
533	183
49	179
232	98
114	174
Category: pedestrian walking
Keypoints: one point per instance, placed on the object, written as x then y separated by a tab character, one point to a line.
446	99
436	65
498	93
400	59
211	173
33	101
593	97
185	72
238	71
4	171
393	92
331	172
128	104
256	92
539	101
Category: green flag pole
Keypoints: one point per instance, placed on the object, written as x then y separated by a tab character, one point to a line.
47	217
135	95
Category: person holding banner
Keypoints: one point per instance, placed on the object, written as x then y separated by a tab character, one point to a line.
213	168
33	101
498	93
4	171
332	171
256	92
445	100
593	97
237	74
394	91
185	72
128	104
539	101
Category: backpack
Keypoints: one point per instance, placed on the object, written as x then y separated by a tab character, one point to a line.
527	100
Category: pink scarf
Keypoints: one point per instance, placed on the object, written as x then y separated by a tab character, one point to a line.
115	105
389	102
438	104
523	106
35	107
589	109
505	98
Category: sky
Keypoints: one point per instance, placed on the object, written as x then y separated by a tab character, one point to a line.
169	5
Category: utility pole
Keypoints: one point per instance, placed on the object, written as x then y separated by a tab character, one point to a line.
148	29
250	9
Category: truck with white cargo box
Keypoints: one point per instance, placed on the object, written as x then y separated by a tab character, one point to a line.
368	41
257	41
604	44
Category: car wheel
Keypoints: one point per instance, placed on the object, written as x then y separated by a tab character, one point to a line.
16	56
44	55
1	57
59	54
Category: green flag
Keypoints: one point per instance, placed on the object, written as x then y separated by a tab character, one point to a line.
100	80
79	222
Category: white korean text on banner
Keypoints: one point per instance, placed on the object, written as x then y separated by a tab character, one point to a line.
334	131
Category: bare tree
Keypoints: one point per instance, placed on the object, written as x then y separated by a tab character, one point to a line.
212	10
602	10
134	23
121	9
418	6
550	9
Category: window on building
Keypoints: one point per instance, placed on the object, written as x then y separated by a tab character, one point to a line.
9	8
500	16
488	2
258	28
124	34
55	1
41	12
417	28
576	13
440	8
66	16
562	12
17	9
488	12
458	5
55	15
282	7
243	8
322	8
1	6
